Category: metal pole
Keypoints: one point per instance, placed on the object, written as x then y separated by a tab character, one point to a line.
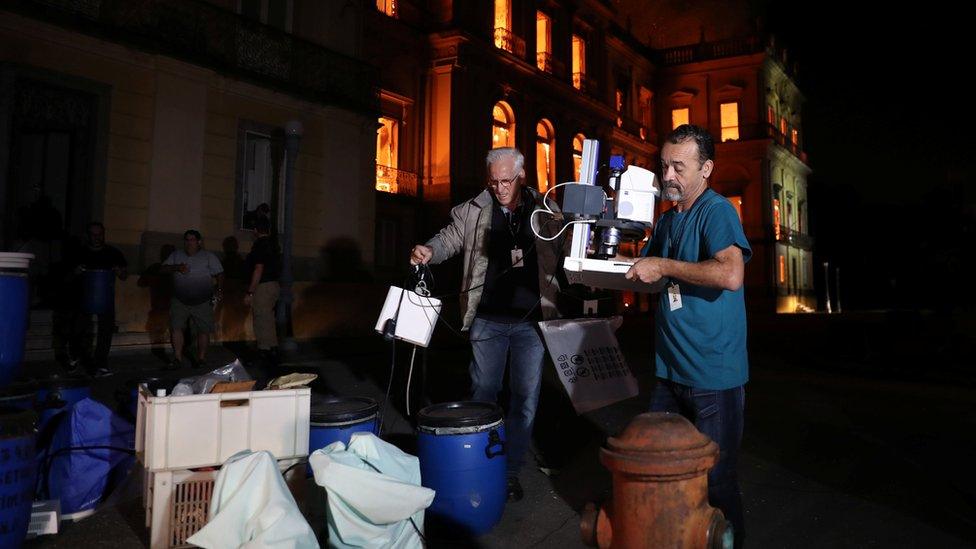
826	266
293	136
837	287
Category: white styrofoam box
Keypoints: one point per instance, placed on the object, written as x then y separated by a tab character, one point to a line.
416	315
185	432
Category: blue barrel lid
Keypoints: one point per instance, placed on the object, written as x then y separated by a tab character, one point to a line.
15	422
333	409
471	413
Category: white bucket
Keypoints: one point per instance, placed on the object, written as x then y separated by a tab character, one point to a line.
9	260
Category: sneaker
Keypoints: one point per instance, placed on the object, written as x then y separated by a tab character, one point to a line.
514	489
102	372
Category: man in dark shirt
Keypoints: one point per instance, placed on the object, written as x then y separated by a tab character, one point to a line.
262	290
93	256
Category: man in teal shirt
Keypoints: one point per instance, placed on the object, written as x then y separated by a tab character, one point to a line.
700	250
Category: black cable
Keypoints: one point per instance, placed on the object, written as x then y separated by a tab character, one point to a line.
389	386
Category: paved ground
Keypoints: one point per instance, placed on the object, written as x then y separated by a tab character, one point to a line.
830	459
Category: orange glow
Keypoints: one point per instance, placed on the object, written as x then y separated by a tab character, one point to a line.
770	115
782	269
679	117
782	126
645	107
503	126
503	23
776	218
737	204
579	61
795	137
577	154
389	7
730	121
542	41
544	147
387	152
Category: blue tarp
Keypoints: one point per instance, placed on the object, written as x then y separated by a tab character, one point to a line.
82	478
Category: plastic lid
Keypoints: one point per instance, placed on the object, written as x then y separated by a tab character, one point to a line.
470	413
342	409
10	260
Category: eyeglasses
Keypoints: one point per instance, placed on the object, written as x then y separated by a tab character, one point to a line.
502	182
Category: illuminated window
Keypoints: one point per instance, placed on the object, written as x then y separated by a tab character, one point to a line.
781	269
545	146
730	121
776	218
503	24
503	126
577	154
543	41
579	62
770	115
795	137
679	117
387	151
737	204
645	107
274	13
389	7
782	125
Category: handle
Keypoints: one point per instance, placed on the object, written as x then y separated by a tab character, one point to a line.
494	440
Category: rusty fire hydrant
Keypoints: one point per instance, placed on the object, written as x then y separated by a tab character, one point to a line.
660	489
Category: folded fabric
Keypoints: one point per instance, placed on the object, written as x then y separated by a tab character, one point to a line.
252	508
373	493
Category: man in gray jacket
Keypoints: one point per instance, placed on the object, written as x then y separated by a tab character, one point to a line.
509	284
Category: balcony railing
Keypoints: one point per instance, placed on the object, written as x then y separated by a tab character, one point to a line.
711	50
794	237
506	40
210	36
584	83
769	131
543	60
392	180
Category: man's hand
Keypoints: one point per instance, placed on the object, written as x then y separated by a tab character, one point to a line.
648	269
248	297
183	268
420	255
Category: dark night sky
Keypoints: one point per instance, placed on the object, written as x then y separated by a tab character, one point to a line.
888	127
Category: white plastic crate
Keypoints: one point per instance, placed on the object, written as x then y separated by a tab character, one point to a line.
192	431
177	502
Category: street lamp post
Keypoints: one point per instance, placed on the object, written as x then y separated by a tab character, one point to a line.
293	136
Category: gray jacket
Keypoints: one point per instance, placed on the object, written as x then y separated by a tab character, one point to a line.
468	233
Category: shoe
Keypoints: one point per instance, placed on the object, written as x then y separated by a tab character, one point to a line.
514	489
73	367
102	372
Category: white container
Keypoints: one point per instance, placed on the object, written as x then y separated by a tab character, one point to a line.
185	432
177	502
415	315
12	260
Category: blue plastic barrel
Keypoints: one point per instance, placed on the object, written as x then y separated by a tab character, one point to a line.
462	457
56	393
15	301
334	419
99	291
18	471
21	395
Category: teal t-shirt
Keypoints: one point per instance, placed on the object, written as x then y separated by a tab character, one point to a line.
703	343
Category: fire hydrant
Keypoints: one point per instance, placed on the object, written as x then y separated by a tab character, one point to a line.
659	464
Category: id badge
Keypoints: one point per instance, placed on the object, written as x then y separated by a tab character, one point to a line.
674	297
516	258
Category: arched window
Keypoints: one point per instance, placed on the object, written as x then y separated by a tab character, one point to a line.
503	126
578	154
545	147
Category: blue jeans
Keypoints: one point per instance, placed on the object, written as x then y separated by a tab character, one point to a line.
719	415
492	343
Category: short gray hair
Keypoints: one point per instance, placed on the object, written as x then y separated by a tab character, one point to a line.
495	155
